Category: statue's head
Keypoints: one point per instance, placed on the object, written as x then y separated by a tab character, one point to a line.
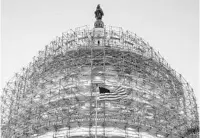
98	6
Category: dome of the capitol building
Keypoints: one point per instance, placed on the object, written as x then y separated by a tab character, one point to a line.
99	82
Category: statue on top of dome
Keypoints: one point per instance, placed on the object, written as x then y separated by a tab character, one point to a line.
98	12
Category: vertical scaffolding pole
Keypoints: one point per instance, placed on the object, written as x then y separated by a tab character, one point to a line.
91	89
96	118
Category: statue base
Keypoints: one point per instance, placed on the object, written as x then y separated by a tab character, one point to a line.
99	24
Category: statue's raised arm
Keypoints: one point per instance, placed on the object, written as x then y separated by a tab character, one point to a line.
98	13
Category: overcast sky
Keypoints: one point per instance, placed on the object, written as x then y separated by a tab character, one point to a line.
170	26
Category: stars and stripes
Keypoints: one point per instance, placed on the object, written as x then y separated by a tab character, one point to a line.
116	94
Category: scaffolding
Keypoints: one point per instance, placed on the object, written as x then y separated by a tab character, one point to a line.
54	96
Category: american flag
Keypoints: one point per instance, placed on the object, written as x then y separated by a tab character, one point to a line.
116	94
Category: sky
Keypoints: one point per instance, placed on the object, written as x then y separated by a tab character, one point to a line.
170	26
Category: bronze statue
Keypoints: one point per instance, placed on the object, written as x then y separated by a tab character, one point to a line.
98	13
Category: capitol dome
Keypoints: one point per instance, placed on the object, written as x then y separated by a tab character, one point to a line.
99	82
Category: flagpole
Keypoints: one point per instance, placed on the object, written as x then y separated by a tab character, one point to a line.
96	119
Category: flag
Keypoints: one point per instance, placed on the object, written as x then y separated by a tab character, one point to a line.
103	90
118	93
